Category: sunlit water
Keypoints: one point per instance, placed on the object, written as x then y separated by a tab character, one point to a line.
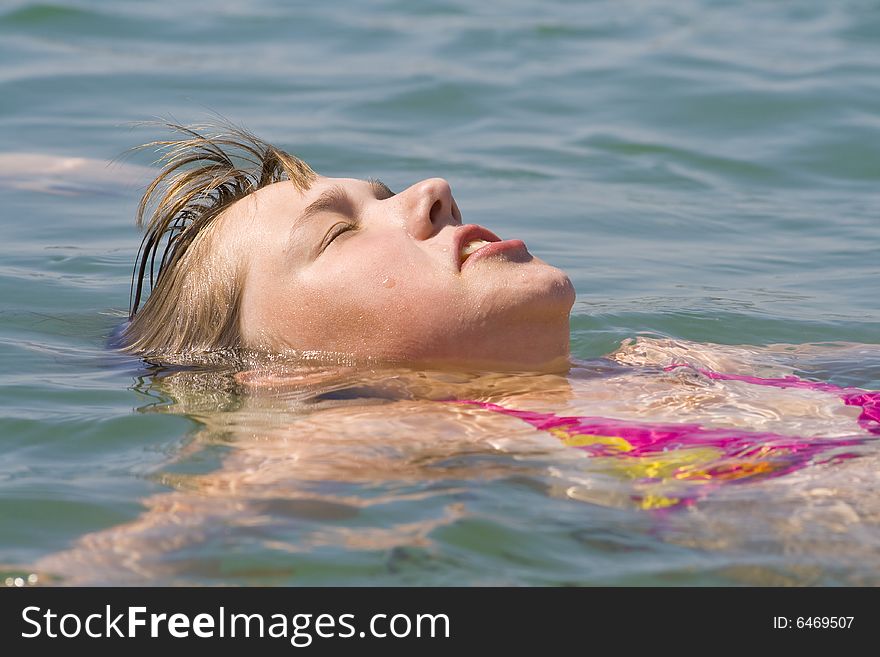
707	173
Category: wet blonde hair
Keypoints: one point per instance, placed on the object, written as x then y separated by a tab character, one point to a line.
195	288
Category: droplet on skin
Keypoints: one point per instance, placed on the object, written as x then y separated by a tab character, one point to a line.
389	282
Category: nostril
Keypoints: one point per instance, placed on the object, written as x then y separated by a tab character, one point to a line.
436	211
456	213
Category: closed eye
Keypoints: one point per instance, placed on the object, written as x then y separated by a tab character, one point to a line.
380	189
335	231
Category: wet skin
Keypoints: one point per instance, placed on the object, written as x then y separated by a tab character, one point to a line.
349	267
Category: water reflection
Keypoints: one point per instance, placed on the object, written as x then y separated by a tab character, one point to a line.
339	475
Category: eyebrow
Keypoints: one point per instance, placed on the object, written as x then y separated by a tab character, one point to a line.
336	200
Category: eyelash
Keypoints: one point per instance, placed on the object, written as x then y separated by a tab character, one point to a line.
337	230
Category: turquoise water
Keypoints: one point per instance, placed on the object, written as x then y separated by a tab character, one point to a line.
704	171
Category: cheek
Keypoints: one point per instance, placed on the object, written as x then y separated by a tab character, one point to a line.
372	307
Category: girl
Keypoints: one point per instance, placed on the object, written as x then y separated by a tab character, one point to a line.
363	357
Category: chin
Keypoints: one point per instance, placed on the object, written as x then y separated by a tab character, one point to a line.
533	289
550	287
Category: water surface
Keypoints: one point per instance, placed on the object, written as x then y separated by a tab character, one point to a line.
704	171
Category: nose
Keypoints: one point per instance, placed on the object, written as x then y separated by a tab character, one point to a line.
429	207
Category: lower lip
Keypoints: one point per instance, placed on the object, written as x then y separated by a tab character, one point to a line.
494	248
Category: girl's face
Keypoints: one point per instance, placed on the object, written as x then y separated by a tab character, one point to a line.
349	267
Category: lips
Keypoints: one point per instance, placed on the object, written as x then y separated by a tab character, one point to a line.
474	242
465	239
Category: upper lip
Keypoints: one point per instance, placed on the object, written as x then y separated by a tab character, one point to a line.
468	233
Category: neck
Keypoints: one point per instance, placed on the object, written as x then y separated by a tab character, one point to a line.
522	347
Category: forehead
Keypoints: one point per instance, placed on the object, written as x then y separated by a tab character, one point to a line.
282	200
285	192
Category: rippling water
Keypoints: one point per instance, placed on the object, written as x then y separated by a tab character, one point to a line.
705	171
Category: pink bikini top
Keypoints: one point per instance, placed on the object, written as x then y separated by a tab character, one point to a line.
674	465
